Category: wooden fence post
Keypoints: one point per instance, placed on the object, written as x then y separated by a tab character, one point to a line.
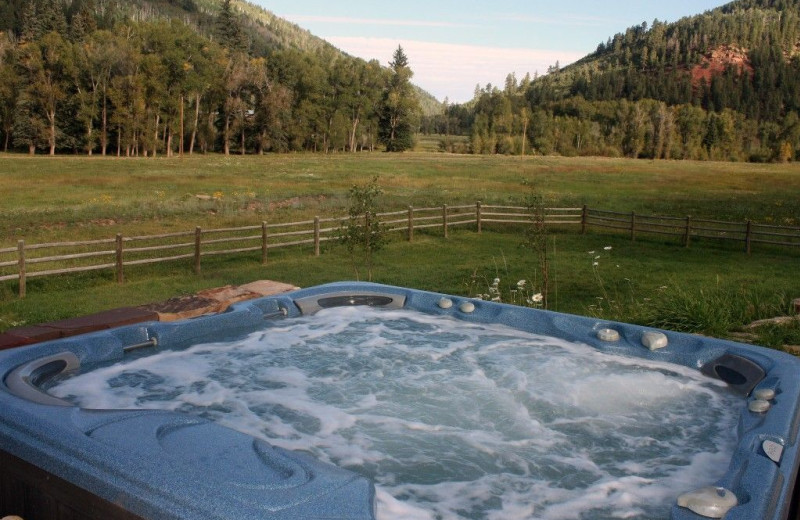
687	234
748	237
584	219
263	242
478	211
444	219
120	264
633	225
21	263
410	224
316	236
198	233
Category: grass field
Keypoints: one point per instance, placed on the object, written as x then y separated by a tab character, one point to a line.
711	287
89	197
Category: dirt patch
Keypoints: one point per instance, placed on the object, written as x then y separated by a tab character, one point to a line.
296	202
719	60
254	205
104	222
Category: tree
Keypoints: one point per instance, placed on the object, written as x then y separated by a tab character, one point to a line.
234	105
47	68
106	56
41	17
363	234
82	22
358	87
399	106
229	29
9	89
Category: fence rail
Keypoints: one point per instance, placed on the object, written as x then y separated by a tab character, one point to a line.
687	228
36	260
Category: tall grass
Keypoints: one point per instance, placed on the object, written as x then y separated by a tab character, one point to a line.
714	311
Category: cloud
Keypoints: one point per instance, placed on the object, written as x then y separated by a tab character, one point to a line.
453	70
571	21
299	19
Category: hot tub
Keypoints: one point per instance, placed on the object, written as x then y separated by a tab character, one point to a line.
187	459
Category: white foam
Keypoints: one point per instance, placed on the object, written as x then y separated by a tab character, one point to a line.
451	419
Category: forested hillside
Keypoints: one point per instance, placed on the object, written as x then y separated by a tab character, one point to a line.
148	77
722	85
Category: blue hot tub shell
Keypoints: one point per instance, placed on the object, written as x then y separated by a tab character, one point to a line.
167	465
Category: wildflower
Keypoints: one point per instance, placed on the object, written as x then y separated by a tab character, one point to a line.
607	248
597	257
496	281
595	264
537	298
521	284
591	252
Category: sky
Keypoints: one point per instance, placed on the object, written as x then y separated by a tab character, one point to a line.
454	45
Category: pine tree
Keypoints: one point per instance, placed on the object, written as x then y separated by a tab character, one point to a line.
83	21
229	29
399	106
30	26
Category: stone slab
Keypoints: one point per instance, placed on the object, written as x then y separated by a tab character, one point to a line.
184	307
228	294
268	287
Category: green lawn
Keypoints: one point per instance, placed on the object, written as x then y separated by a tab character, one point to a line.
711	287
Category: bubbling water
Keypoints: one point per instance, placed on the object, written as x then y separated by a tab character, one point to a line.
450	419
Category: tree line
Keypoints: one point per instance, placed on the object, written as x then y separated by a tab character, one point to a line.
74	81
654	92
505	122
132	79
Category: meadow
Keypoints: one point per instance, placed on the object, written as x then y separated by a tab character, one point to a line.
712	287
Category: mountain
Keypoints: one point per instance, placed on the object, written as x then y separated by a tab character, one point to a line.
265	30
722	85
166	76
742	56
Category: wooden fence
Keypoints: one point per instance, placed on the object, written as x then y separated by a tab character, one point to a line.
36	260
688	228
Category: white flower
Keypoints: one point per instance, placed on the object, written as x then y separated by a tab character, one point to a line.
521	284
607	248
595	264
597	257
496	281
591	252
537	298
